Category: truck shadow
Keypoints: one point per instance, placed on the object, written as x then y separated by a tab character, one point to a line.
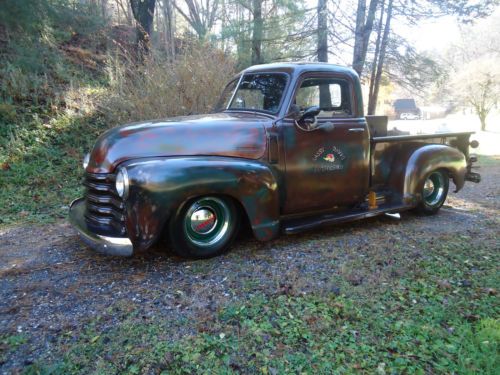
246	246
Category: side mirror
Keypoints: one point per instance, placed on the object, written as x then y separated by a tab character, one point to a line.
312	111
294	112
298	115
304	120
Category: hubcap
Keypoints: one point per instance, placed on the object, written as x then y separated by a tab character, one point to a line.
203	220
434	189
207	221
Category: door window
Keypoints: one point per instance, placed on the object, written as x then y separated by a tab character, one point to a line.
331	95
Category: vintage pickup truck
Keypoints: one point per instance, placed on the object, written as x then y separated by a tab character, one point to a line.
287	149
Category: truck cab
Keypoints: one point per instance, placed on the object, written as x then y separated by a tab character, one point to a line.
287	148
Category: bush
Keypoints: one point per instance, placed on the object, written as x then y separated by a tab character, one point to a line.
161	88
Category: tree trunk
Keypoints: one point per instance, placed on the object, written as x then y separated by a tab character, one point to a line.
104	9
380	64
482	118
364	27
482	113
143	13
372	102
322	32
168	18
325	98
258	23
358	35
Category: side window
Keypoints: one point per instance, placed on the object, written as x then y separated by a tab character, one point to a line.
331	95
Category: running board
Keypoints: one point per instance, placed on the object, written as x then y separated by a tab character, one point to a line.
300	225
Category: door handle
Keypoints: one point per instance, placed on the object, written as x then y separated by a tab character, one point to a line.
356	130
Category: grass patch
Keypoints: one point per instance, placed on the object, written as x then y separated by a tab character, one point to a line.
40	163
488	161
45	132
9	343
441	319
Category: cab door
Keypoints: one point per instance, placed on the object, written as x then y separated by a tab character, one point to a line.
326	162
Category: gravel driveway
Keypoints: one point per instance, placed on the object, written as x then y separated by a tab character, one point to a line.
51	285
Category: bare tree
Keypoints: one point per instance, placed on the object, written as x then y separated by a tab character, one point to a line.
143	11
201	15
167	7
412	11
322	31
371	102
258	24
379	59
364	28
474	70
324	90
124	5
478	84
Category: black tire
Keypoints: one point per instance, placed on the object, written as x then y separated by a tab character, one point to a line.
204	227
434	192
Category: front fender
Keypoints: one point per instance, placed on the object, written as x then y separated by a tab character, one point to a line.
429	158
159	186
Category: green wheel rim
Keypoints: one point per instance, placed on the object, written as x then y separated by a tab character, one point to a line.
207	221
434	189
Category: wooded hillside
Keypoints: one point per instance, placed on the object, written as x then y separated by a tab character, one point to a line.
70	69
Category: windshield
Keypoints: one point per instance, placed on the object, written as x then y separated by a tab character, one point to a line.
256	91
226	95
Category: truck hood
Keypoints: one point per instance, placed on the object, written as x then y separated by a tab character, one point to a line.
223	134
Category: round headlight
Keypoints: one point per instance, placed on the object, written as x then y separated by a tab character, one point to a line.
86	160
121	183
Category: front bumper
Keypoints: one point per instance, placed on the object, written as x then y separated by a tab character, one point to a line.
106	245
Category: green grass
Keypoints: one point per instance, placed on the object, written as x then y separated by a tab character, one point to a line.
9	343
488	161
442	318
40	163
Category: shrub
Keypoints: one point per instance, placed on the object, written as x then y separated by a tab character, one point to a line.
161	88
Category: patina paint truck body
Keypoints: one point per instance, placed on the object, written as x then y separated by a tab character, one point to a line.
265	156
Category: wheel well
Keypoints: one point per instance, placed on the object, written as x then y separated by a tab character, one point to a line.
444	170
245	225
449	174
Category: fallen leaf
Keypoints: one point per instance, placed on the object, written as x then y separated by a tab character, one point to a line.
94	339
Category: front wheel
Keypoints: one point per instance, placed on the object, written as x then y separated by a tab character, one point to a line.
434	192
204	227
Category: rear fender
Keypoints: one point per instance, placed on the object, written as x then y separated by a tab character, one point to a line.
423	160
159	186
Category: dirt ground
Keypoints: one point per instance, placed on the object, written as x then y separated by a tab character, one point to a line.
51	284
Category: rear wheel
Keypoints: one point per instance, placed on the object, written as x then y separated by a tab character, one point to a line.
434	192
204	227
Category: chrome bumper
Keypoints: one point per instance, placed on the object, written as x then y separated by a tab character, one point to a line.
106	245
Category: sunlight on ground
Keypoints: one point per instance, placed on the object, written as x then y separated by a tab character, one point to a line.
467	207
489	141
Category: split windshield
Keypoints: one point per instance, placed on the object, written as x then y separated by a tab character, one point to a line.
255	92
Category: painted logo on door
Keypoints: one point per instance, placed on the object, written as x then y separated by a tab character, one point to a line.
328	159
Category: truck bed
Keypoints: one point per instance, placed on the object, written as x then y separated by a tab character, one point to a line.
417	137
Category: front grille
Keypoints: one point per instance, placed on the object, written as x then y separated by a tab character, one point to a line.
105	210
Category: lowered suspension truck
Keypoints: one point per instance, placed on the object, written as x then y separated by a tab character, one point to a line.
287	149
